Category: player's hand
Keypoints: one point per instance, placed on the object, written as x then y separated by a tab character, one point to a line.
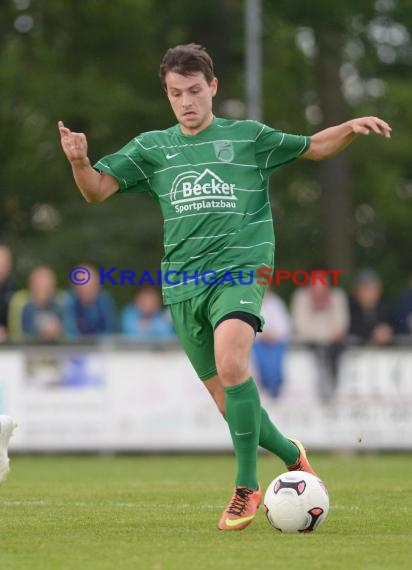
74	145
365	125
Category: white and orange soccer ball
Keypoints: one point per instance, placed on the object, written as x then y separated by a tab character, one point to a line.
296	501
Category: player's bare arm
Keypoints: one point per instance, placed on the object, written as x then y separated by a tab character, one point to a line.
95	187
333	140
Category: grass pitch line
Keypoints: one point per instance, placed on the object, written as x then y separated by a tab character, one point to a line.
94	505
24	503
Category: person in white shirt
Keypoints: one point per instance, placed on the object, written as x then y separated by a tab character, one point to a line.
320	317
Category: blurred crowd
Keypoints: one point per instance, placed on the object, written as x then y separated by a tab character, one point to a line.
322	317
327	320
43	312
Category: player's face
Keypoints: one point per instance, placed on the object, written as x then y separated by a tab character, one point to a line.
191	100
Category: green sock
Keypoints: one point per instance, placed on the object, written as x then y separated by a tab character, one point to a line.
243	416
272	440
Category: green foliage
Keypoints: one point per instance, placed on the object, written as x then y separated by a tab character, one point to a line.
94	64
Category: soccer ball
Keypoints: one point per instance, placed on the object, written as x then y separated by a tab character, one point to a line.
296	501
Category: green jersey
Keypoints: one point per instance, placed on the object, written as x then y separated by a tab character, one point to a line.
212	189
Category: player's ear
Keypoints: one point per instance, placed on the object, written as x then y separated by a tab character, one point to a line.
213	85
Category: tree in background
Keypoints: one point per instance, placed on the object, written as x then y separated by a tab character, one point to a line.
356	59
95	63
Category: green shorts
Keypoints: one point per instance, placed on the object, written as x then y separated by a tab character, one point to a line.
195	320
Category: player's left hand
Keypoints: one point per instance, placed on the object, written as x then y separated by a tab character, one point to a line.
365	125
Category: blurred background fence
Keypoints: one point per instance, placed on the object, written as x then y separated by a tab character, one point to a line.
115	397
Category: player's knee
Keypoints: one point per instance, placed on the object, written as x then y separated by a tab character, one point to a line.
231	369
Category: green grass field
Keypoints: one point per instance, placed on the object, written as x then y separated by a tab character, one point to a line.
160	513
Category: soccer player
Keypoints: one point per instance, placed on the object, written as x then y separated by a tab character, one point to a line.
210	178
7	426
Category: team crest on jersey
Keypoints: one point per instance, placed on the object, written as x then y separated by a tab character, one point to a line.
224	150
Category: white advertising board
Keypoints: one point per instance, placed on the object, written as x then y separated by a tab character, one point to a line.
115	399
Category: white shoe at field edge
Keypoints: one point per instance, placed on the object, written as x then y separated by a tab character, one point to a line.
7	426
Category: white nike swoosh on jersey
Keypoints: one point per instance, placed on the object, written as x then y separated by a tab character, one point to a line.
242	302
169	156
246	433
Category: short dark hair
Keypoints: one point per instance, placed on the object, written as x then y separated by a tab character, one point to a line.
187	60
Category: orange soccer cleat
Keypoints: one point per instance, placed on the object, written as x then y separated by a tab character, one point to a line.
302	463
241	510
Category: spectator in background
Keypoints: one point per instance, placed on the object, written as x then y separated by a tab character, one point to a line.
369	317
42	313
145	318
270	345
89	310
402	318
320	318
6	289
